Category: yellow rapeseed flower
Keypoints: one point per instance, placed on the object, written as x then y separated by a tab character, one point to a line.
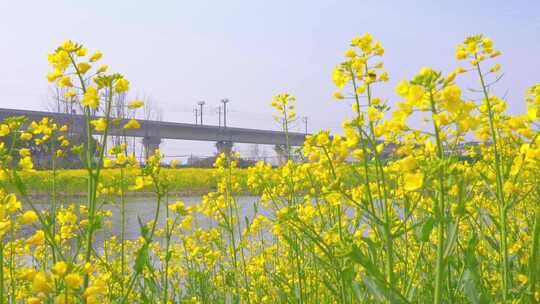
70	94
415	95
452	96
68	46
121	158
178	207
139	183
60	268
83	67
37	239
96	288
338	95
413	181
12	204
4	226
522	278
4	130
91	97
26	164
102	69
65	82
28	217
350	53
33	300
107	162
95	57
81	52
135	104
132	124
41	283
99	124
52	76
73	280
122	85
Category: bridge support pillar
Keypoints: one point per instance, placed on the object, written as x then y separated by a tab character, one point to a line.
224	146
282	154
150	143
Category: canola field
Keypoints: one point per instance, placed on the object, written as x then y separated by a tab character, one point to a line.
73	182
452	215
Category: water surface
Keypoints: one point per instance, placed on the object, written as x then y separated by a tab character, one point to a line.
143	208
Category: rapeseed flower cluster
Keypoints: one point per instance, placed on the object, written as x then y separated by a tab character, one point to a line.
386	212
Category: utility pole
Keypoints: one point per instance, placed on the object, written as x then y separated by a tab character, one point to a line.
219	115
201	104
305	120
224	101
196	111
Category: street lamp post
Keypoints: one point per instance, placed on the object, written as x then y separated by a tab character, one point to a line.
224	101
201	104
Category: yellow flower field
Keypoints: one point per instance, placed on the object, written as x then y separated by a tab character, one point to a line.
450	215
184	181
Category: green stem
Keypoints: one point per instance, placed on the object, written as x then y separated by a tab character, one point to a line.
150	237
2	272
12	262
535	254
286	130
122	229
53	203
230	228
167	248
500	183
379	174
439	274
379	171
94	178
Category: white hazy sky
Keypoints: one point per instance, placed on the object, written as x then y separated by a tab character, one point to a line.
180	52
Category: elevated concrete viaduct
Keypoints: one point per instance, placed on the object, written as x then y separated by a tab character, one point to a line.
153	132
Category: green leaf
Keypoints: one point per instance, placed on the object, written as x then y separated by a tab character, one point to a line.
141	259
469	287
381	291
471	283
425	230
21	186
143	228
357	291
373	288
472	287
357	256
348	273
374	279
453	227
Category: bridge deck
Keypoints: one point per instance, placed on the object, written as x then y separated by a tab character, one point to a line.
169	130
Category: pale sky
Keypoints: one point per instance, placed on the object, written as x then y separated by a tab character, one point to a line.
180	52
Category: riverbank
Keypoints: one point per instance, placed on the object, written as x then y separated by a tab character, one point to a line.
73	182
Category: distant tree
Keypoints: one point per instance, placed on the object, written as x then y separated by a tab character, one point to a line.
255	152
151	111
120	111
